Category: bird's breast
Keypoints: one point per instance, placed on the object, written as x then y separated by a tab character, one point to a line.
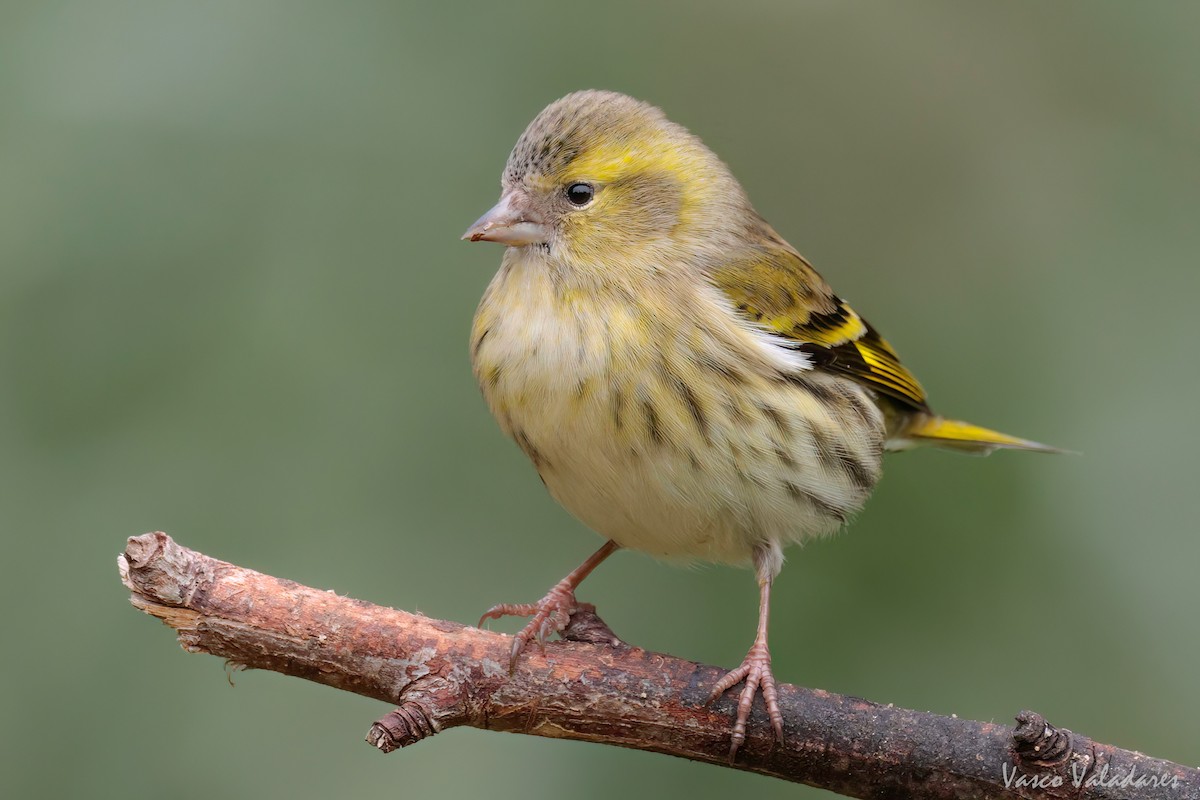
646	420
550	362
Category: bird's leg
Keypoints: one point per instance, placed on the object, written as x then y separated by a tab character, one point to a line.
553	612
756	668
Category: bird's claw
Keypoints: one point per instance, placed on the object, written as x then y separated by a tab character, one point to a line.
756	672
550	615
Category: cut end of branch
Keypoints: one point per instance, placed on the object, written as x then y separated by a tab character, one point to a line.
157	568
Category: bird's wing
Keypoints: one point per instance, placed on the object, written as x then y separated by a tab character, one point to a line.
774	286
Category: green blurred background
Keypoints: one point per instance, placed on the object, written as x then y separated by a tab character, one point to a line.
234	306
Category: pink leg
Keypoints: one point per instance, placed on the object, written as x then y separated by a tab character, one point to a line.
553	612
755	670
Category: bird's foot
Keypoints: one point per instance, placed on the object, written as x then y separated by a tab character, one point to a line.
549	615
756	672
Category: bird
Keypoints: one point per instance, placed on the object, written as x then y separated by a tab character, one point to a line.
684	382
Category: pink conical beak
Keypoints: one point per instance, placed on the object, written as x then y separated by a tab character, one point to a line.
510	222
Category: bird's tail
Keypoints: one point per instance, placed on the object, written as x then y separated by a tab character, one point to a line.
930	429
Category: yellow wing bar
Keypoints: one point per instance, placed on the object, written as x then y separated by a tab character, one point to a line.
778	289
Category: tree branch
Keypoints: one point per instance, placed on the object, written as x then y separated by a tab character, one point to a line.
596	688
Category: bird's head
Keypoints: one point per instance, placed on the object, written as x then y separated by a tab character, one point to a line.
599	178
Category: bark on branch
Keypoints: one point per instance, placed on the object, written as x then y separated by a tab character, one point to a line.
596	688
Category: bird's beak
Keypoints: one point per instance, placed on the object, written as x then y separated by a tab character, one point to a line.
511	222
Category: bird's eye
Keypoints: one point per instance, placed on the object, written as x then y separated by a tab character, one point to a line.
580	194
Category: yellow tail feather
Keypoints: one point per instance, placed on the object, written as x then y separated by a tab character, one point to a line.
958	435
